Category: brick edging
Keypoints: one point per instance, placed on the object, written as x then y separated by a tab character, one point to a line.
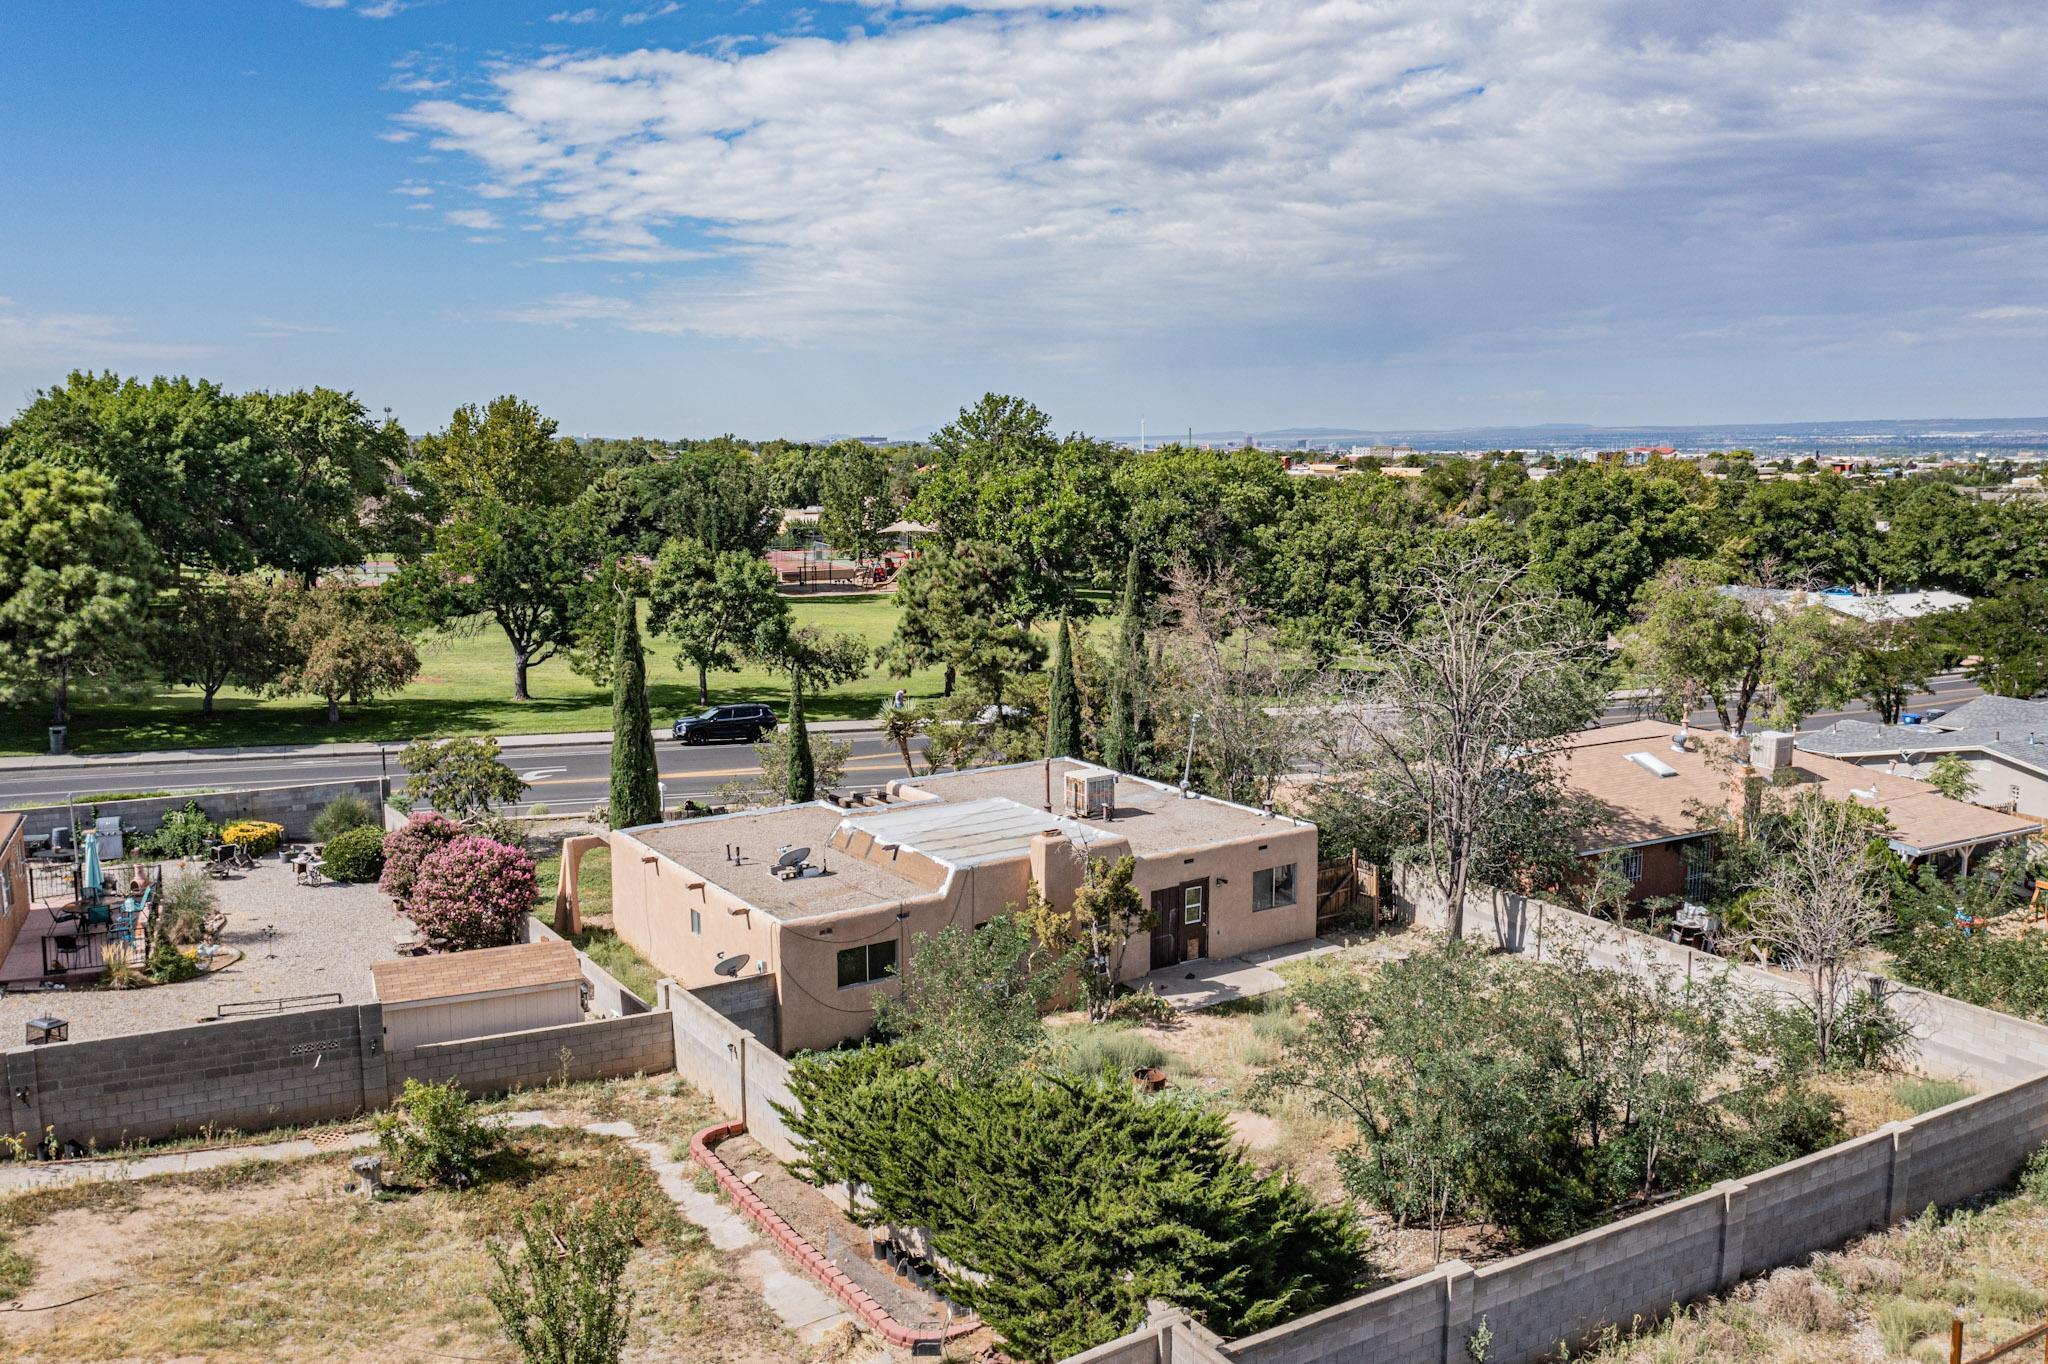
814	1262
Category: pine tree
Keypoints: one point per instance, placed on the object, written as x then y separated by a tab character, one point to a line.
636	789
1123	743
802	784
1063	700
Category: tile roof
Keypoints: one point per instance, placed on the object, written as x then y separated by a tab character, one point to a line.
1633	805
488	970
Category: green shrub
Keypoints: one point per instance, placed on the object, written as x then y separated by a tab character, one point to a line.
1060	1205
1085	1050
344	812
433	1133
188	902
563	1299
1924	1096
167	965
1999	1295
1902	1321
1143	1008
183	832
354	854
2034	1175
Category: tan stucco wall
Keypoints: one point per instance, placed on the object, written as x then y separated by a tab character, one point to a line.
652	896
14	870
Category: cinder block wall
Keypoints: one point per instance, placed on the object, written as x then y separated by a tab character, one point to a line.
744	1077
246	1073
637	1044
1639	1267
291	806
281	1070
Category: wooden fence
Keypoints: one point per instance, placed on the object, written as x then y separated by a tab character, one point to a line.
1346	885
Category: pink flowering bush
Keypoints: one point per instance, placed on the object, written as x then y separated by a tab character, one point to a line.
406	848
475	892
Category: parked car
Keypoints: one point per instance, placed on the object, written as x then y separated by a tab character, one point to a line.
1921	717
728	724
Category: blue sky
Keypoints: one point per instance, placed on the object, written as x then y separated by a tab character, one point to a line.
682	218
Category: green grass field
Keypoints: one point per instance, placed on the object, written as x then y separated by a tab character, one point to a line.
464	687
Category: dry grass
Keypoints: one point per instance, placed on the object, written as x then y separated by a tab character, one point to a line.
1885	1297
279	1262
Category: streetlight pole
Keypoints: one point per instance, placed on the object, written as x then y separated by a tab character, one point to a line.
1187	766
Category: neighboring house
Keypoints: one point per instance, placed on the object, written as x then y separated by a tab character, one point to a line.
483	993
1652	802
705	901
2004	741
14	892
1864	606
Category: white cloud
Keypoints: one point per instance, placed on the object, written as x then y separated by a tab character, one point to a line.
2011	312
476	219
396	135
642	16
412	189
578	16
51	342
1077	179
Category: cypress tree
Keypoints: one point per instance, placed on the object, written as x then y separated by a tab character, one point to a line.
1063	700
1123	744
636	789
801	781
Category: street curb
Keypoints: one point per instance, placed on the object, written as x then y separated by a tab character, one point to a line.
506	742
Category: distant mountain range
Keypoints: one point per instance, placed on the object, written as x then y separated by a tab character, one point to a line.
1947	433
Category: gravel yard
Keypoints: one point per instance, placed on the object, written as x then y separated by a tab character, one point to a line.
294	940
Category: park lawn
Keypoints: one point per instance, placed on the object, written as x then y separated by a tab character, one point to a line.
465	687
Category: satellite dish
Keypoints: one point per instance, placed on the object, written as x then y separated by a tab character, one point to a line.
730	966
791	857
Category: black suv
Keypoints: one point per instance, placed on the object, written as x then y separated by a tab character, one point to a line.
745	724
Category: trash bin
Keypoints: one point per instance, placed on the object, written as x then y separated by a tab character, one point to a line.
57	738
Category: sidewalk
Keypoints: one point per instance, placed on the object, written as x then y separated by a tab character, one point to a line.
510	743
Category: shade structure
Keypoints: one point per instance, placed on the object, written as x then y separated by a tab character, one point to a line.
89	884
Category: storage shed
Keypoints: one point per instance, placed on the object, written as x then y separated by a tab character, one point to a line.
478	994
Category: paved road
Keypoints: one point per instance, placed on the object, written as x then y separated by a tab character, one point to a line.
567	779
1946	692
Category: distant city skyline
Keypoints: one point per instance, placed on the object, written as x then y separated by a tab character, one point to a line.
795	219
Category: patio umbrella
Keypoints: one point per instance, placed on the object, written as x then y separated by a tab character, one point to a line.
89	888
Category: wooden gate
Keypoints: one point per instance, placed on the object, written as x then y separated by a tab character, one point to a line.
1346	885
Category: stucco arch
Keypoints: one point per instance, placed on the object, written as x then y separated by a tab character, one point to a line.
568	905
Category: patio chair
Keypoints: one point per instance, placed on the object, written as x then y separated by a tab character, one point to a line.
122	929
241	858
219	861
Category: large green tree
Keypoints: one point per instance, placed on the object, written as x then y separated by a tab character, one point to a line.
721	497
800	779
859	500
1126	731
75	575
2008	634
963	607
510	547
1331	567
341	644
1204	508
971	998
717	607
636	782
1598	533
213	632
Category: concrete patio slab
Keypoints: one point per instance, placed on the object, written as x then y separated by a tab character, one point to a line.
1204	984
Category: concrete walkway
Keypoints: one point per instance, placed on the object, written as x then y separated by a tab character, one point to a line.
1206	983
802	1306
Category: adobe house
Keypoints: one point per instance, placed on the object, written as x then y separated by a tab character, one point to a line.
821	904
1650	784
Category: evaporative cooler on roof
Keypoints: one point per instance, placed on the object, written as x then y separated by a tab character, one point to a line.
1091	795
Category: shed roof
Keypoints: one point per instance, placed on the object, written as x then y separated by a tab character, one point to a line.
489	970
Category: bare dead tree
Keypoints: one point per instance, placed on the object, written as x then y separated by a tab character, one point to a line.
1456	731
1220	661
1821	903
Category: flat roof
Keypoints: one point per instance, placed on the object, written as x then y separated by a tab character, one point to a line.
957	819
1152	817
1634	805
488	970
704	846
968	833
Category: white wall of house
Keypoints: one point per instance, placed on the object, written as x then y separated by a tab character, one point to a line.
2000	784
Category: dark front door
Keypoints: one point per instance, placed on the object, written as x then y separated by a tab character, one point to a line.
1165	915
1180	927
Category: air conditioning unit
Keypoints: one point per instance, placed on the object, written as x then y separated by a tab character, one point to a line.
1771	751
1091	795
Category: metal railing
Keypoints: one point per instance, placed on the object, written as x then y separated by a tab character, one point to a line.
245	1008
66	953
1999	1351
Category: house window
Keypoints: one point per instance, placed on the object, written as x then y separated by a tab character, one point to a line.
866	965
1698	863
1191	904
1632	865
697	923
1273	886
6	891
